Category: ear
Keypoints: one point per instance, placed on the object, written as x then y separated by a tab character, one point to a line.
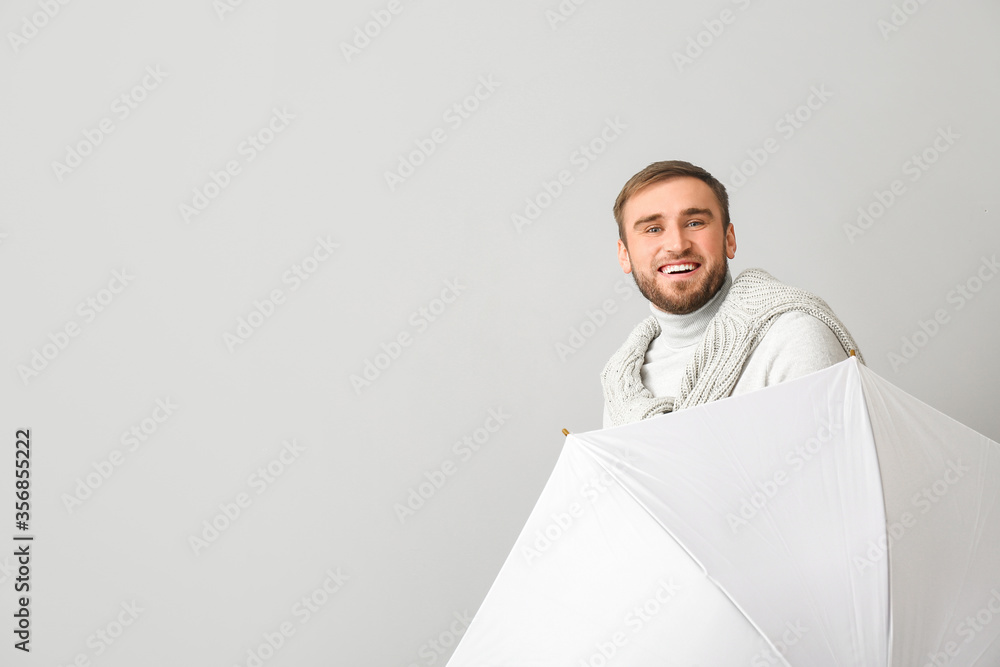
730	242
623	258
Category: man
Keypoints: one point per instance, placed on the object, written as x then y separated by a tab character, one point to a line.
709	336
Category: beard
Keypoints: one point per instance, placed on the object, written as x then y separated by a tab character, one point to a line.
687	297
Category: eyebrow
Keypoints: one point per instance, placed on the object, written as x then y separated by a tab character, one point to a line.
685	213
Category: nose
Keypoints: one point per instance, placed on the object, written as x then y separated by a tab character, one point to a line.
675	240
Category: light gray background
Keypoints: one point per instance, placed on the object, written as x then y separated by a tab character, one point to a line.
495	347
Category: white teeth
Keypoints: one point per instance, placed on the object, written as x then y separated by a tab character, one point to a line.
678	267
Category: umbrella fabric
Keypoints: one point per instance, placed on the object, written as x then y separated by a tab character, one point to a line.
941	482
830	520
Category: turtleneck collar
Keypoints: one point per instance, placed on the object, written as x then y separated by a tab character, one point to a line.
680	331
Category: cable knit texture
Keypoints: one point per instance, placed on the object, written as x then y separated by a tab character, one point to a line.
754	301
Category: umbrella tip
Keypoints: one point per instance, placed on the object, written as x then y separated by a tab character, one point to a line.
853	353
565	432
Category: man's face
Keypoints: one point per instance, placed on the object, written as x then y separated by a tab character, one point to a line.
677	251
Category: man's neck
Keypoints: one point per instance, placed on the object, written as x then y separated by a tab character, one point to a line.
680	331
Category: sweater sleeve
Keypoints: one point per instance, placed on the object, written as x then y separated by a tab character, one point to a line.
796	344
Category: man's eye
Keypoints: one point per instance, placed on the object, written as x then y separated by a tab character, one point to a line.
653	229
696	223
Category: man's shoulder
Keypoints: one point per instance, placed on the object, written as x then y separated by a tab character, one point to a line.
802	334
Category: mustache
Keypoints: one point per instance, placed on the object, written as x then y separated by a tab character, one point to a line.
682	257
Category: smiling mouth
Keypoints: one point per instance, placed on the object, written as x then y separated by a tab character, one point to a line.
679	268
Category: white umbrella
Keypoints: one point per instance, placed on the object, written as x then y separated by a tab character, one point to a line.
830	520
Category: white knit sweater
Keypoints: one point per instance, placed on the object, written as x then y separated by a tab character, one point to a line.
755	332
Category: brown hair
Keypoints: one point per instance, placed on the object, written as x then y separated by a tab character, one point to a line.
661	171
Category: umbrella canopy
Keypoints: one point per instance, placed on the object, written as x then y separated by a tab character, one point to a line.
830	520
